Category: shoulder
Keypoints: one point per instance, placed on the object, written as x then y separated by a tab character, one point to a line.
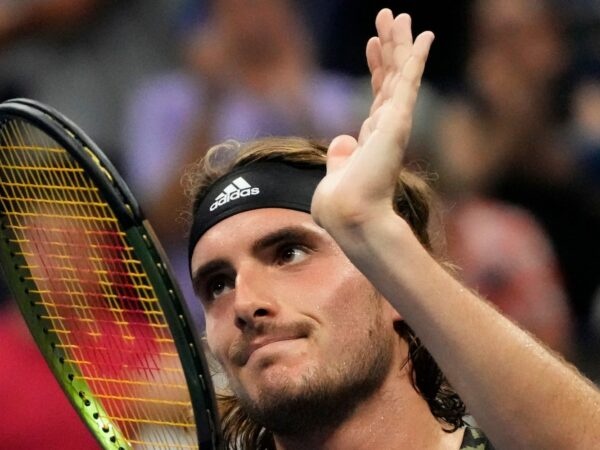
475	440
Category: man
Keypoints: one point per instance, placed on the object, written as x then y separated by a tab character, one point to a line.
313	284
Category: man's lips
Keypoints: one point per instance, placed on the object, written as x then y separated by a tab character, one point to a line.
241	350
259	343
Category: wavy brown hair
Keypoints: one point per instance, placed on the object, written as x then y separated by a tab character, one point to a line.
413	202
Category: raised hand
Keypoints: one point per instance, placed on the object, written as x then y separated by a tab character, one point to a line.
361	175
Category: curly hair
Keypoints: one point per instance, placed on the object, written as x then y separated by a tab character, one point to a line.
413	202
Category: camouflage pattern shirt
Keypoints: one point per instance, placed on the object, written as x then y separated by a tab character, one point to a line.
475	440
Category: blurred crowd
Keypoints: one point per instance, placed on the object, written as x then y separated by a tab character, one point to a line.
507	126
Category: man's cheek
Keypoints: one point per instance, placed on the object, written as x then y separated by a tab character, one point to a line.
215	350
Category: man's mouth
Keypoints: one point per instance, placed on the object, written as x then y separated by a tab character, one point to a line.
241	350
260	343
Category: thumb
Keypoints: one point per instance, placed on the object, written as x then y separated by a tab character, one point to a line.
339	151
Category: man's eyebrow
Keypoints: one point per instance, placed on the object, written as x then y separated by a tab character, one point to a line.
206	270
286	234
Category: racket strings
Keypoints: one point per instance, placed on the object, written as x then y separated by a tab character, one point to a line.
92	291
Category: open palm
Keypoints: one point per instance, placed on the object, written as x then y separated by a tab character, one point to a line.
361	175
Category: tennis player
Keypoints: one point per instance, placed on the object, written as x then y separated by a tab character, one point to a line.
336	325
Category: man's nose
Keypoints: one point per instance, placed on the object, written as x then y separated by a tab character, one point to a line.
254	301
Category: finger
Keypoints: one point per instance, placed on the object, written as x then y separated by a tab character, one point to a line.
384	91
412	72
378	73
406	87
339	151
383	23
365	131
374	61
412	69
373	52
396	43
377	102
402	43
369	125
402	40
387	132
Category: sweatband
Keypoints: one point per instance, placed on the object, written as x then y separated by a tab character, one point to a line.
263	184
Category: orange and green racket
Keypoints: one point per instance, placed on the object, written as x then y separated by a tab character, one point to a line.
96	290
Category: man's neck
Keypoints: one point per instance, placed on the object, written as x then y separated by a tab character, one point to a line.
395	417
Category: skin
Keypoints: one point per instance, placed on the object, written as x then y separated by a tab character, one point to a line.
277	319
497	374
285	285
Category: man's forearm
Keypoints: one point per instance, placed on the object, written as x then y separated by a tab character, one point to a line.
522	395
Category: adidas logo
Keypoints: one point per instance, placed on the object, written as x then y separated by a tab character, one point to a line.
236	189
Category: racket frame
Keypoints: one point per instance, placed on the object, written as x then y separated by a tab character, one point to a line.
139	234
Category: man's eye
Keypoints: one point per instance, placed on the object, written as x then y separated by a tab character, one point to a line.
218	286
292	254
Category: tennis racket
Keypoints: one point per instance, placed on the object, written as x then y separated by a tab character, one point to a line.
96	290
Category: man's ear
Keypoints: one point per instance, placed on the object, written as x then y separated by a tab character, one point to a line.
391	313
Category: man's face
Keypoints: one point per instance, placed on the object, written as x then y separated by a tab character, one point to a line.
289	318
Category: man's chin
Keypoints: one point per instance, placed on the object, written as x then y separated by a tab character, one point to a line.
291	402
278	378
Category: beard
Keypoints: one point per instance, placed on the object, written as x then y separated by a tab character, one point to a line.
325	396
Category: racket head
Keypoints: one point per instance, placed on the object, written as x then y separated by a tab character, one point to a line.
96	289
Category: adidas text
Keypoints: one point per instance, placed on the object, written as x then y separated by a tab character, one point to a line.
238	188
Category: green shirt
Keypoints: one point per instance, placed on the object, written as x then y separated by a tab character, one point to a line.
475	440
